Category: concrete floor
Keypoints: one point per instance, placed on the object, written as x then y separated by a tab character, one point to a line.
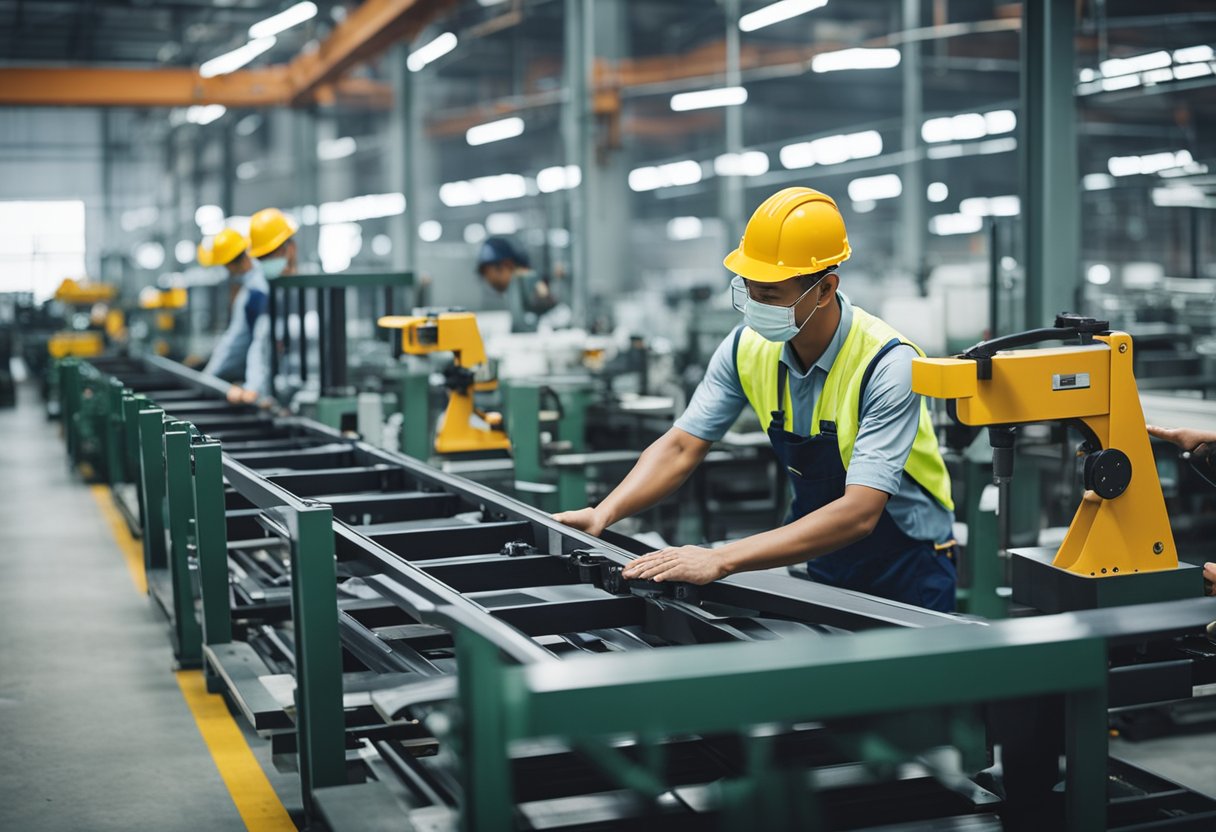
94	732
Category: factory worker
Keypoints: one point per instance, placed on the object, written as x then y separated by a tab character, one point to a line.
505	267
871	508
1198	445
243	352
272	240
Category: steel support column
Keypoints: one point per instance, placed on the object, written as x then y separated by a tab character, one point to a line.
579	139
1050	197
730	189
911	241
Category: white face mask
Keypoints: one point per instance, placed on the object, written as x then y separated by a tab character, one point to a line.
773	323
273	267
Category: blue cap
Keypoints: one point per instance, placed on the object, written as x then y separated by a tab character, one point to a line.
498	250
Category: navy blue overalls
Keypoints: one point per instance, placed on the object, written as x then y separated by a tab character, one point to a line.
887	563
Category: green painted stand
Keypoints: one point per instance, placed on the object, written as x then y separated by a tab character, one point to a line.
211	540
152	478
179	494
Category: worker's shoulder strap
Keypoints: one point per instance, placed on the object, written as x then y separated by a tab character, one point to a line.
734	350
882	353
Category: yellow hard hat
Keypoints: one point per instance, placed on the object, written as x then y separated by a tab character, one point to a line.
226	247
269	229
795	231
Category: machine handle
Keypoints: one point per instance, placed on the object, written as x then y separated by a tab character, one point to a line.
1067	326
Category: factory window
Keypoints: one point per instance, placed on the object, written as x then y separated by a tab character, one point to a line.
41	243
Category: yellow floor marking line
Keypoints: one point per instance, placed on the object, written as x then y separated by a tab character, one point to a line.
255	798
132	551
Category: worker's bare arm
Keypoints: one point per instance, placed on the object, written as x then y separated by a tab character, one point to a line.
661	469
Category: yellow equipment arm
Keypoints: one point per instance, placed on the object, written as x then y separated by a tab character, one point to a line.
1121	525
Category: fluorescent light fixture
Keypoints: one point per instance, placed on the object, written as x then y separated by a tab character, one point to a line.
1122	82
474	233
558	237
1185	71
1150	163
1192	54
871	188
1000	121
207	215
993	206
495	131
1125	66
204	113
331	149
504	222
184	251
1097	181
937	192
382	245
429	231
684	228
831	150
703	99
777	12
558	178
1180	196
488	3
687	172
458	194
237	58
283	21
150	255
359	208
309	214
747	163
337	245
432	51
1086	75
944	225
865	206
500	187
1185	170
1098	274
855	59
1157	76
953	128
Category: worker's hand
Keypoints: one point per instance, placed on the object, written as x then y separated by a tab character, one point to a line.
585	520
1209	578
248	396
236	394
691	564
1187	439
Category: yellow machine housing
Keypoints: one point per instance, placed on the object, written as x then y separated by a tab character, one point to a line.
457	333
1122	533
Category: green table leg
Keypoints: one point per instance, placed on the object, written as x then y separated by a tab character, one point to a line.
152	475
179	491
211	540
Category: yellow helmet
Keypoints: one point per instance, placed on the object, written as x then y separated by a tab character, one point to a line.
795	231
269	229
225	247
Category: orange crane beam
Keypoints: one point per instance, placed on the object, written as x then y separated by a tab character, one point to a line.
163	87
367	31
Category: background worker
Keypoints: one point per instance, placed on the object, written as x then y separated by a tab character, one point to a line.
1199	444
272	241
871	508
506	268
243	352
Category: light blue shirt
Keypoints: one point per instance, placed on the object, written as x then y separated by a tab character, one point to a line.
244	348
889	421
